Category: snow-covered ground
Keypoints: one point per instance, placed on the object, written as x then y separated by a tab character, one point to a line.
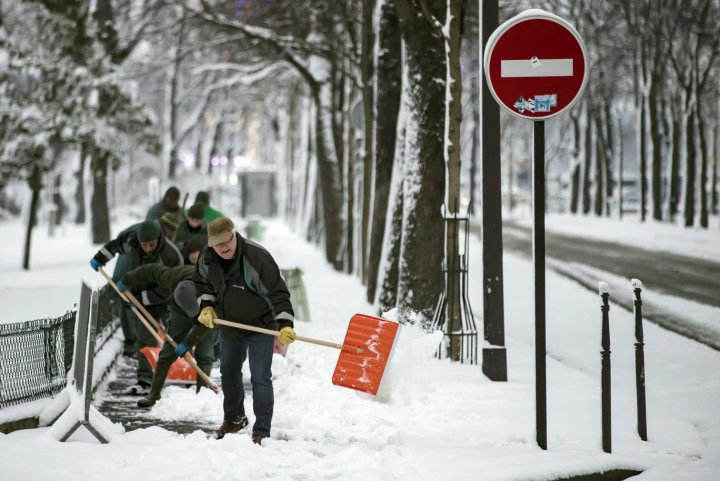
57	266
654	236
441	421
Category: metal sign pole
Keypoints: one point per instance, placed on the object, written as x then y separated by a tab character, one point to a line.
537	80
539	263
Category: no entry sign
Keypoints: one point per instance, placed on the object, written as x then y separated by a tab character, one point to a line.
536	65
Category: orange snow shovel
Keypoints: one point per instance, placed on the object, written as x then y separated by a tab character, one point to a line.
180	371
364	354
146	318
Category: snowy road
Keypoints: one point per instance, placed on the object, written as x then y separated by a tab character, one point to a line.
684	277
681	276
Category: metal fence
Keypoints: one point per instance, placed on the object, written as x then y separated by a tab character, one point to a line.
35	356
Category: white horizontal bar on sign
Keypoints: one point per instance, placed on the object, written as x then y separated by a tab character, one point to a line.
556	67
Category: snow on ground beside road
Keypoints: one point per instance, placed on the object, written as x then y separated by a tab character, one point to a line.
650	235
683	388
688	317
442	421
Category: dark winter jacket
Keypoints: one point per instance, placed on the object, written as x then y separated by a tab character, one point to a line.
185	232
165	253
159	209
168	278
248	289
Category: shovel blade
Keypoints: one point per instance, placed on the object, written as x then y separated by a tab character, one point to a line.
180	371
364	371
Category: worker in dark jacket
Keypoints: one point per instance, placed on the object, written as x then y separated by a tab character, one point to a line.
143	244
239	281
169	203
193	226
182	325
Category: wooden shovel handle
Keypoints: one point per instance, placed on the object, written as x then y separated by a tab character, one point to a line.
271	332
125	296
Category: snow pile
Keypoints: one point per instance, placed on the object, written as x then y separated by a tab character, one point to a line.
183	404
413	350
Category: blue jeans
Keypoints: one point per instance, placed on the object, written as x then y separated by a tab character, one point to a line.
259	349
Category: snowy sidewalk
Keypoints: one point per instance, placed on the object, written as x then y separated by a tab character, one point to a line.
443	421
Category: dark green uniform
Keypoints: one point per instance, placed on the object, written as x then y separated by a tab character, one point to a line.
180	324
153	297
185	232
160	208
182	328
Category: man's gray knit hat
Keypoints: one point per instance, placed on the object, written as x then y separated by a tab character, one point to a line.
186	298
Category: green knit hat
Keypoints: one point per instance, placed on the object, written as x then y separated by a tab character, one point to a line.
196	211
148	231
203	197
172	193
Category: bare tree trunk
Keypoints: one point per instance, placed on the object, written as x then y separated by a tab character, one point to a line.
689	193
621	173
453	120
391	275
215	147
366	67
574	165
600	163
35	184
350	188
587	159
475	144
642	138
420	282
389	88
656	139
703	168
99	203
609	141
330	184
174	101
716	141
80	192
674	197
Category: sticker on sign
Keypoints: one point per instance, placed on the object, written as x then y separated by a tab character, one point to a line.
536	65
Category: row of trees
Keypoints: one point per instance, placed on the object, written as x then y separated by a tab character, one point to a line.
650	116
371	127
61	90
367	107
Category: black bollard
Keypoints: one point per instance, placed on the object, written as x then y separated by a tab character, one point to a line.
605	374
639	361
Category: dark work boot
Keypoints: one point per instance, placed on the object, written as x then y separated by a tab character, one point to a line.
257	438
161	371
207	369
229	428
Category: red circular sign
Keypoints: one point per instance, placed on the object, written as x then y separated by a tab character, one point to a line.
536	65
